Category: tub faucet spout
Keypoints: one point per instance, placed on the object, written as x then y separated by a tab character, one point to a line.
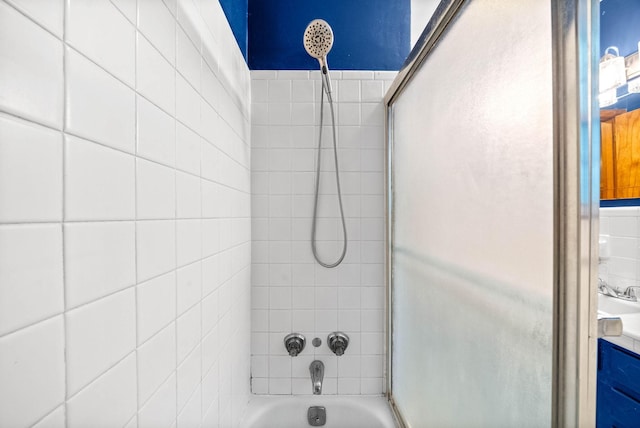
317	374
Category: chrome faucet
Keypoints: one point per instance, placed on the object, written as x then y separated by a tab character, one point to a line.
606	289
317	374
629	294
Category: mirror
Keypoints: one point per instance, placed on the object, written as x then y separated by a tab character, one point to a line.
620	113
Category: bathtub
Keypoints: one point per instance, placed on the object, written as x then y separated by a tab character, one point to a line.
343	411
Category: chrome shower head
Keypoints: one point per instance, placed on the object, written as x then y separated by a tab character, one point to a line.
318	40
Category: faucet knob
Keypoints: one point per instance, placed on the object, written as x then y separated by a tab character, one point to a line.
338	342
631	293
294	343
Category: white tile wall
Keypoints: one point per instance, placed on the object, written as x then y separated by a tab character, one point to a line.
290	292
622	225
124	215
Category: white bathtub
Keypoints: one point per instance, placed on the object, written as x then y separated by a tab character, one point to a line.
343	411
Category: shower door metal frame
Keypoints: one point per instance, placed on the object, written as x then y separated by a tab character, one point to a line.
575	44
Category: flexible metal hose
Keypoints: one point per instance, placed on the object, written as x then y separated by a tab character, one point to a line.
315	202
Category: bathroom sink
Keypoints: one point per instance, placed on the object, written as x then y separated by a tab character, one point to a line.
613	306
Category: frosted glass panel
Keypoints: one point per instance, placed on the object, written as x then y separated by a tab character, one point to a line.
473	228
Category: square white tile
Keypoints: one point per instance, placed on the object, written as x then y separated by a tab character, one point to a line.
189	377
189	332
191	413
155	191
31	161
156	133
187	104
102	33
190	20
97	100
31	277
187	58
279	91
156	248
33	356
212	90
156	305
99	260
189	196
210	123
160	409
99	183
210	237
111	399
188	152
210	312
31	80
97	336
158	25
155	77
189	289
188	241
156	362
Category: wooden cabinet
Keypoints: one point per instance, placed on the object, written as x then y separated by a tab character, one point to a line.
618	396
620	154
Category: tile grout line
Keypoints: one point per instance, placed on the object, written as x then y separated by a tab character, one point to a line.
111	220
268	279
291	212
65	78
175	224
202	285
135	208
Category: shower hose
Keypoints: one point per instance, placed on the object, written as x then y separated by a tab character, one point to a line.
315	202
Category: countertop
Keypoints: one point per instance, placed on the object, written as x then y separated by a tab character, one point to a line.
630	338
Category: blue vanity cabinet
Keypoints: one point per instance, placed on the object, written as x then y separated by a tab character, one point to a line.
618	395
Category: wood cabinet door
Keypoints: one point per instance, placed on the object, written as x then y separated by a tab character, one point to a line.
620	156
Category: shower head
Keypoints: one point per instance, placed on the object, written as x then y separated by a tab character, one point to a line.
318	40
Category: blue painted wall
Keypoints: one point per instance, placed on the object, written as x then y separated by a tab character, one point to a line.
236	12
620	27
369	34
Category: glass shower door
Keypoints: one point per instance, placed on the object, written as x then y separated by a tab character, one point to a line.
472	226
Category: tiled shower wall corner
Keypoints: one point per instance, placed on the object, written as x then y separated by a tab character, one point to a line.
622	225
290	292
124	215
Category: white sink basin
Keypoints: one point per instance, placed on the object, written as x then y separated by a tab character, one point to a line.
613	306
